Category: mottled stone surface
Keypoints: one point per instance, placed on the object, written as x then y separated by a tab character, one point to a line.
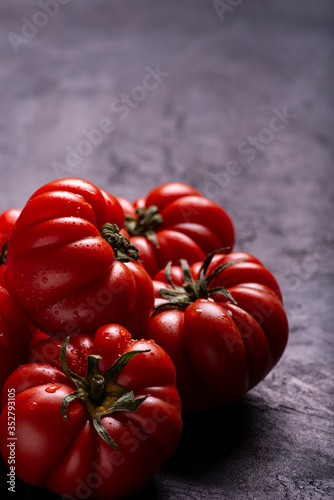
224	81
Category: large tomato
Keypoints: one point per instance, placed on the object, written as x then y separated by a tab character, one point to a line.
103	436
7	221
14	336
68	266
175	221
222	323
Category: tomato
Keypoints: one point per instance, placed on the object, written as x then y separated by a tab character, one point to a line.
7	221
69	267
223	324
103	436
14	336
175	221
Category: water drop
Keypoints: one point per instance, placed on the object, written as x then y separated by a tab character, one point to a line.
52	388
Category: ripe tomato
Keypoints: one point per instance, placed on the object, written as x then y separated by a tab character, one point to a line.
175	221
68	266
222	323
14	336
7	221
103	436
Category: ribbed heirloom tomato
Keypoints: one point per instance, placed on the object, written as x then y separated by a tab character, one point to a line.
7	221
223	324
14	336
101	432
69	267
176	221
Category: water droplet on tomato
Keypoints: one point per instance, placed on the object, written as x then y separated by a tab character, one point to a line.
73	351
197	312
52	388
45	280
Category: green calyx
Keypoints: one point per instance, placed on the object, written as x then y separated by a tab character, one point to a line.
124	250
180	297
99	392
3	255
144	224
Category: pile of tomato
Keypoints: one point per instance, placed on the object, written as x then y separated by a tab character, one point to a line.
116	317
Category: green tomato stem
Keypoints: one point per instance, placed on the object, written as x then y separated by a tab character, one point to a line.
99	392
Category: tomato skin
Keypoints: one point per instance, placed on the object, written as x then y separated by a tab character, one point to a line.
222	350
267	309
15	336
2	276
163	195
7	221
135	320
147	253
249	271
200	210
62	272
173	245
70	457
191	226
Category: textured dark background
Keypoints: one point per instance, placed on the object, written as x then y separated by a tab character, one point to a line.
226	80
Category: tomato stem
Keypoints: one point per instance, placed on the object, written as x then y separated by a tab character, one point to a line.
99	392
145	223
3	255
124	250
180	297
95	380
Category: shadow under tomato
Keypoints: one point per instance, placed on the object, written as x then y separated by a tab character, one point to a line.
209	437
23	491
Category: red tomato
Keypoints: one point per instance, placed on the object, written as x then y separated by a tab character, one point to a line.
175	221
14	336
107	439
69	268
223	325
7	221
